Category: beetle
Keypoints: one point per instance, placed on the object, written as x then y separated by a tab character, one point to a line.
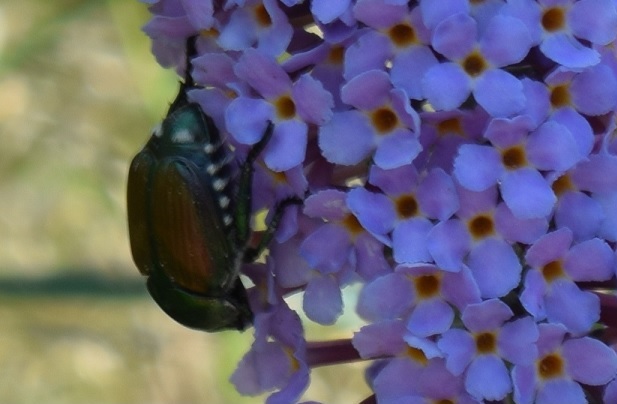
189	217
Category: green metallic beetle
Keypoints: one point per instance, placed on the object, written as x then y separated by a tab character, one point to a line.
189	218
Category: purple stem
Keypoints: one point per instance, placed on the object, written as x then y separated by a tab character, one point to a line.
323	353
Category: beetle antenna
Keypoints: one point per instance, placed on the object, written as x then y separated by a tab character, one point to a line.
181	99
191	52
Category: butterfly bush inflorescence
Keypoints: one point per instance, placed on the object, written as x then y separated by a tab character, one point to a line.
456	158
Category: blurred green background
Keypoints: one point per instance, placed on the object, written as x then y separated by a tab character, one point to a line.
79	93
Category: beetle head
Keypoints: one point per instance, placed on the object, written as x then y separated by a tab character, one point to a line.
186	128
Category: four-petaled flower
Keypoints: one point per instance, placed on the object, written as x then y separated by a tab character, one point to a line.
457	159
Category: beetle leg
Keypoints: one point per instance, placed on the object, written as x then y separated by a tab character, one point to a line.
242	214
251	254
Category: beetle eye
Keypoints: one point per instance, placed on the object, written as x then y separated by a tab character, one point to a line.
182	136
157	131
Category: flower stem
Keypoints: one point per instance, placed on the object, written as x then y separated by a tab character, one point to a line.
324	353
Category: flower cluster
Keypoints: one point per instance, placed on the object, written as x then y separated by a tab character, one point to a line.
457	158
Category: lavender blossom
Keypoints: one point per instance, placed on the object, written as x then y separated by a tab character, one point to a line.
456	159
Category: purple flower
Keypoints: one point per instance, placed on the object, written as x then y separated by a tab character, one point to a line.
455	160
326	60
403	214
515	160
270	187
340	241
421	294
591	92
414	374
336	249
550	289
215	72
399	37
290	106
585	198
481	350
562	364
382	123
610	394
277	358
479	237
474	64
402	380
327	11
442	134
559	25
260	23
